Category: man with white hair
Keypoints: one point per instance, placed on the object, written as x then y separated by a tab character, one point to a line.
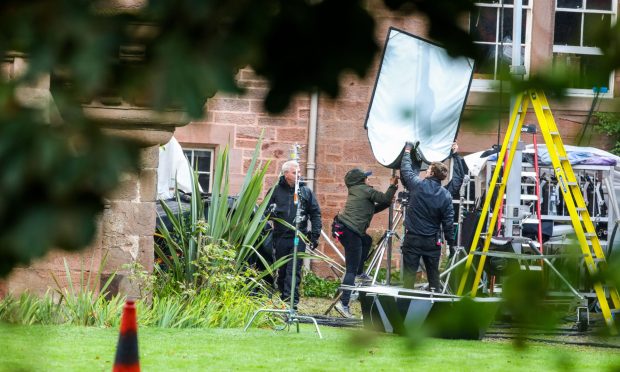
282	203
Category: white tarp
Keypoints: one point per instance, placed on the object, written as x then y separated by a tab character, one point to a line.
173	165
419	96
577	155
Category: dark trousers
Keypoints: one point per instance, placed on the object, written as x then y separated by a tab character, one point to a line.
425	247
356	250
284	247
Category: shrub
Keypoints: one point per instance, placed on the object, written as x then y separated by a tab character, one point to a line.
315	286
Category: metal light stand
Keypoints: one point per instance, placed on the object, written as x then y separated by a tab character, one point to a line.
291	314
459	245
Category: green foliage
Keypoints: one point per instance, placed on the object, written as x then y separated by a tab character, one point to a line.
315	286
53	181
609	123
82	301
238	227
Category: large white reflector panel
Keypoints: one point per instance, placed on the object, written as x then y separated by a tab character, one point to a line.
419	95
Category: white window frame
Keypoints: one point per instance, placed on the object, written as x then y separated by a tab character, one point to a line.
572	49
493	85
189	154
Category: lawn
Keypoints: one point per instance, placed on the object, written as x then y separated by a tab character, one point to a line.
71	348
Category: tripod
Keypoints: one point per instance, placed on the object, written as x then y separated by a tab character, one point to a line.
291	316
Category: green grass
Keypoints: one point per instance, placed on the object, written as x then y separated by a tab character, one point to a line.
73	348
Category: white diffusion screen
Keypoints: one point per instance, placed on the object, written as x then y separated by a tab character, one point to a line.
419	96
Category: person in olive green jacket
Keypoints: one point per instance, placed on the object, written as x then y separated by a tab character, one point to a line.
363	201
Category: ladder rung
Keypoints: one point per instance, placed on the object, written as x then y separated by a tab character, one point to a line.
554	133
527	197
563	158
581	209
589	235
572	183
528	184
528	174
531	267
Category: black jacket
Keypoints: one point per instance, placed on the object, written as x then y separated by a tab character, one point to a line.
430	204
284	208
460	169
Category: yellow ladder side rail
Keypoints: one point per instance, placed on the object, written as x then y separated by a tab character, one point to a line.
581	204
487	201
500	196
576	191
564	173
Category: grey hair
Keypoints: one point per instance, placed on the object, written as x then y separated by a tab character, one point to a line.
289	164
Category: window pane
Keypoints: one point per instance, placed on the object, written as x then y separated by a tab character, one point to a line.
188	156
598	4
567	29
593	24
203	180
483	25
507	25
585	70
202	160
486	68
573	4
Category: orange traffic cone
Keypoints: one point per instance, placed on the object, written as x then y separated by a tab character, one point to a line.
127	349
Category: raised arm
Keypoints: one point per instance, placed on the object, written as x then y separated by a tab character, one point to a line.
457	176
409	170
383	200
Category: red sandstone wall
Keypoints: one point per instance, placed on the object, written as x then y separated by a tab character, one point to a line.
342	142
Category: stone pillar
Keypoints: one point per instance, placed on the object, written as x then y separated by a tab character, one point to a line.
128	224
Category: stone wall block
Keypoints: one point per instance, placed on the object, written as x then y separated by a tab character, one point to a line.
228	104
234	118
254	132
148	185
133	218
149	157
299	135
121	250
147	252
128	188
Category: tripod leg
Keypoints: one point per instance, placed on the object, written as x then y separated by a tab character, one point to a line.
333	304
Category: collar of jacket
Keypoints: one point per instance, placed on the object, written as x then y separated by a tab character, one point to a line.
282	182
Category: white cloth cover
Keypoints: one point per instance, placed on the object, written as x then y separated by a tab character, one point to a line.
172	165
419	95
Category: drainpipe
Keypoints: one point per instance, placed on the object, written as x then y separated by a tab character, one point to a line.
311	164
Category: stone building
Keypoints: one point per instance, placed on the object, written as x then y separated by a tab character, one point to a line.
331	130
550	35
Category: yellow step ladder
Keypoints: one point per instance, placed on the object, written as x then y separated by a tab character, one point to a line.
573	199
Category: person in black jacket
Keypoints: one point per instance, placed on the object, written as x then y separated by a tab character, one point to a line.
283	205
429	209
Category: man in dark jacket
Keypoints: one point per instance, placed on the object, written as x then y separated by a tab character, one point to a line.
283	205
429	209
363	201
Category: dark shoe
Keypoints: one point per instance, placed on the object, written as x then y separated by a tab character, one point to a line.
343	310
363	279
